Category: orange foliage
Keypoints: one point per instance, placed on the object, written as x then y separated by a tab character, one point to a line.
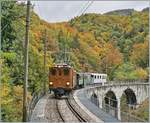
112	56
139	55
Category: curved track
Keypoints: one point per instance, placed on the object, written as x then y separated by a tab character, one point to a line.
52	111
62	110
58	110
78	116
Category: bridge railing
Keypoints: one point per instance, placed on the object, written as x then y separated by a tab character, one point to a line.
127	82
32	103
125	116
117	83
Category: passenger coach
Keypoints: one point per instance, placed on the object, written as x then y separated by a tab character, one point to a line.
91	78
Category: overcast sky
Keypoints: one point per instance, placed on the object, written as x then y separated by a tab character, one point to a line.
58	11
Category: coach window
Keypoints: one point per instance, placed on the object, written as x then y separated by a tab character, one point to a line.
66	71
100	77
53	72
95	76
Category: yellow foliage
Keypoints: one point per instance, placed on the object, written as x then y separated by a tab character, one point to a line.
5	90
49	63
139	54
129	28
18	91
5	94
105	35
142	74
96	48
1	61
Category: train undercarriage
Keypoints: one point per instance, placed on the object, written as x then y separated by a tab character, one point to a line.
59	92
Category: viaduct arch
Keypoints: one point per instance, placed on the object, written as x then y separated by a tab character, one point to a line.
110	95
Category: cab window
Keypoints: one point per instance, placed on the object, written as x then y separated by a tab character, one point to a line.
59	72
66	71
53	72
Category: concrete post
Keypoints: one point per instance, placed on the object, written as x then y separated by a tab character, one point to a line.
118	108
100	98
109	107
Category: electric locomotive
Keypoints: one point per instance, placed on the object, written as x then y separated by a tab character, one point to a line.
62	79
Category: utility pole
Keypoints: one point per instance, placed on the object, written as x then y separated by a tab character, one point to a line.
45	48
25	84
0	62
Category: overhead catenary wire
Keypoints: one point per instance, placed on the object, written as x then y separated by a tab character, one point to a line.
81	11
38	7
84	10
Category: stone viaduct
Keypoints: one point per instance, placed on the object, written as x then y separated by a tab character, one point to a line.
111	94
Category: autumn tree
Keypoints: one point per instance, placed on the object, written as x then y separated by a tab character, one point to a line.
112	59
139	54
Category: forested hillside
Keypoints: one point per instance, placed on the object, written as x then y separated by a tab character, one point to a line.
110	43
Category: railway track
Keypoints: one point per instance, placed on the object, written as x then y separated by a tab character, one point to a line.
52	111
58	110
62	110
78	116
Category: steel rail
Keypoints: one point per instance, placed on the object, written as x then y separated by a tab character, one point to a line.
78	116
60	115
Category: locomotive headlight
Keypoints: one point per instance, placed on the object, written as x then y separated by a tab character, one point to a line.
51	83
67	83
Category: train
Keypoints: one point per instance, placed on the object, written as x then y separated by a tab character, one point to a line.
87	78
63	79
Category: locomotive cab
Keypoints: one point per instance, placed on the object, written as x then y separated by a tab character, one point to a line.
61	80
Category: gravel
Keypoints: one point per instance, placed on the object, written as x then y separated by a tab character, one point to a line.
66	113
51	112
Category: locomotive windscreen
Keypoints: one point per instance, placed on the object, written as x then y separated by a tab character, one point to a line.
66	71
53	71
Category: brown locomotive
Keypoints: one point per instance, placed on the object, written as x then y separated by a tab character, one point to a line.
62	79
